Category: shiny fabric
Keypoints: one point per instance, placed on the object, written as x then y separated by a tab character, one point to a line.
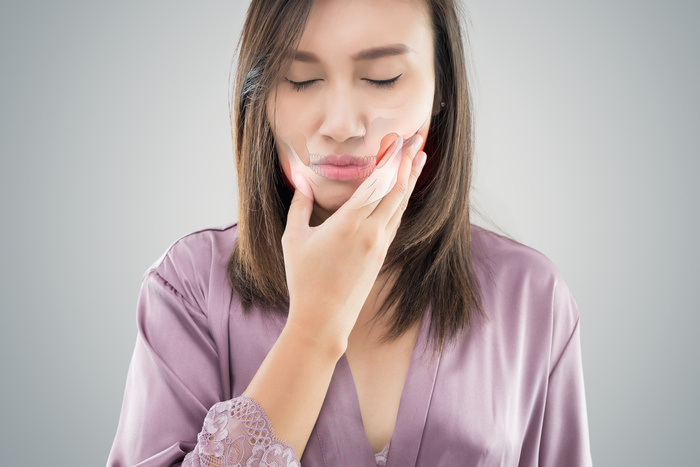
511	393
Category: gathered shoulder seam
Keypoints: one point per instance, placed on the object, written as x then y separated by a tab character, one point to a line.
153	271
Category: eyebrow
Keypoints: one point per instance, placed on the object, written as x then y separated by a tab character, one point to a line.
367	54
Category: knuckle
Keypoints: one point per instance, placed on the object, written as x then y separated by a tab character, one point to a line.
404	204
410	153
415	173
402	187
367	243
371	239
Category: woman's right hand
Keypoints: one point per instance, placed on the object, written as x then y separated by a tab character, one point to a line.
332	268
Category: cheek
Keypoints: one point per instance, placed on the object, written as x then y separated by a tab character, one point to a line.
281	159
285	169
416	114
426	109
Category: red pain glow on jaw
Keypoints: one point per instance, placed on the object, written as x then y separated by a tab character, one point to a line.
386	143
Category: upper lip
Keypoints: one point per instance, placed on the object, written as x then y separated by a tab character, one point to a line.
341	160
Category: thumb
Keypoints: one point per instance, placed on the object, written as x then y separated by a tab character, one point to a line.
302	203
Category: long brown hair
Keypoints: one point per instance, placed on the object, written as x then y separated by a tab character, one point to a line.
431	250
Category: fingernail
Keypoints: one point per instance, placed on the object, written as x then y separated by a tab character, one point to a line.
417	140
422	157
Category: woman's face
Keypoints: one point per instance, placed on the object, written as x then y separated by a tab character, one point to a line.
363	70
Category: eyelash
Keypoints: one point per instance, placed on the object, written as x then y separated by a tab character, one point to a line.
385	84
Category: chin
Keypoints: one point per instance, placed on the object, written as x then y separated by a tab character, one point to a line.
332	200
331	206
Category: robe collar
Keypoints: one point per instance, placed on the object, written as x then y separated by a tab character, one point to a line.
339	428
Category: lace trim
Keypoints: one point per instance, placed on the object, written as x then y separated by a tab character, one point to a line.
381	457
237	432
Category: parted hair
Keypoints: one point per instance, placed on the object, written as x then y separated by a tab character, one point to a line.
430	255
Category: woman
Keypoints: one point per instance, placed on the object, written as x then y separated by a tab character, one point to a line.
312	343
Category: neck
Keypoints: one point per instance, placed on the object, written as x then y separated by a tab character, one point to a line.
367	331
318	216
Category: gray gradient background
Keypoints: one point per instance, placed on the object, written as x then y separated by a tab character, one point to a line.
115	142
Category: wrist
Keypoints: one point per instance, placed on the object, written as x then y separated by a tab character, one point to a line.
318	343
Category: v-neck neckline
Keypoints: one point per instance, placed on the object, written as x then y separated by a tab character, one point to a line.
340	430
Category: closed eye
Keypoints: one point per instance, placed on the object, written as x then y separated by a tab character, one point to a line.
385	83
300	86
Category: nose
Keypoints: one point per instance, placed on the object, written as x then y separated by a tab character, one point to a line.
342	119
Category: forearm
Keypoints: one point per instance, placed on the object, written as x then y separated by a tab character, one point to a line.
291	384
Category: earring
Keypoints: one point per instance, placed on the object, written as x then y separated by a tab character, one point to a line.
442	104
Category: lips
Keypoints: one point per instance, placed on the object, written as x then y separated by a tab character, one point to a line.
343	166
341	160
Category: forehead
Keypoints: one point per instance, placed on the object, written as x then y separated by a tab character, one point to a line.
362	30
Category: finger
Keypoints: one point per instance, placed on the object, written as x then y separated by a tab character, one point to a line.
416	170
301	206
392	201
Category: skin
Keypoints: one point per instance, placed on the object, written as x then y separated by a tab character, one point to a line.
341	112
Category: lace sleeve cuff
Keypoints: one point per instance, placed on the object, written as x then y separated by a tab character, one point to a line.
237	432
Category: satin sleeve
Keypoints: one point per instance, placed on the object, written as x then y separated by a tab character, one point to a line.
565	438
172	412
